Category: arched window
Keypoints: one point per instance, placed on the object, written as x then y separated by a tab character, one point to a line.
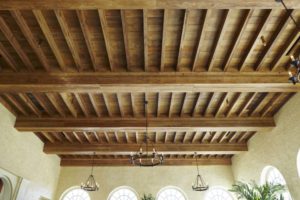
171	193
75	193
123	193
218	193
271	174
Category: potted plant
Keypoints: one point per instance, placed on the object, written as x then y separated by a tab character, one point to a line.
147	197
253	191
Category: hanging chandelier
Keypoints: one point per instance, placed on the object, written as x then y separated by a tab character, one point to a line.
90	184
199	184
147	155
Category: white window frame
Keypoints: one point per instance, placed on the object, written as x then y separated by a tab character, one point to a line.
266	171
69	190
171	187
217	188
123	187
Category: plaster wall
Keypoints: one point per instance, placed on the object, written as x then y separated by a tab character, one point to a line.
145	180
278	148
22	155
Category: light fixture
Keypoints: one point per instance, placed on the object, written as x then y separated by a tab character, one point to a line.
147	155
294	70
199	184
90	184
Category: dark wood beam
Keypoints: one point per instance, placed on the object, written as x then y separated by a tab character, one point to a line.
127	149
138	124
126	162
146	4
147	82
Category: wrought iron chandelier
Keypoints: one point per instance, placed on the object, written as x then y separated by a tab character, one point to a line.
147	155
90	184
199	184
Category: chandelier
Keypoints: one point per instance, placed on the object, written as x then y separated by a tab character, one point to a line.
199	184
147	155
90	184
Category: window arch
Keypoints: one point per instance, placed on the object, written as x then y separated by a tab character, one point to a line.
171	193
271	174
218	193
123	193
75	193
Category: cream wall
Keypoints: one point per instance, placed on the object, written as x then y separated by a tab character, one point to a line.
22	154
278	148
145	180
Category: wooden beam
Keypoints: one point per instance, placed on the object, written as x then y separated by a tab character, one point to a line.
147	82
163	41
143	4
238	38
284	50
201	37
87	36
261	28
183	32
126	162
50	39
17	15
138	124
219	37
8	58
105	33
272	41
10	36
127	149
125	38
69	39
145	33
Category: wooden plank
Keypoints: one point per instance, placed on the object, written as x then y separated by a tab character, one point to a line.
125	148
145	32
237	40
10	36
77	162
87	36
261	28
146	82
143	4
8	58
69	39
201	37
284	50
138	124
17	15
125	38
272	41
219	37
50	39
184	25
106	38
163	41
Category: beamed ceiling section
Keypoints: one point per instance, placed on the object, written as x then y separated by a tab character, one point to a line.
77	75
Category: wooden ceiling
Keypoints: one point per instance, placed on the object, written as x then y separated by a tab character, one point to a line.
77	75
